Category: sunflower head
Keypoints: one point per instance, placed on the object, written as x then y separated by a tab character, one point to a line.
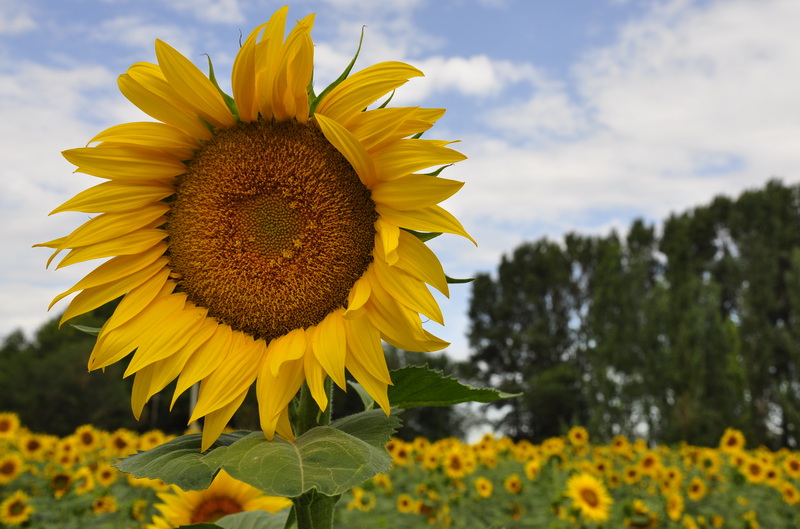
268	237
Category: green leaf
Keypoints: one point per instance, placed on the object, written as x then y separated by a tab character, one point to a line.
246	520
316	100
329	459
366	398
417	386
178	461
94	331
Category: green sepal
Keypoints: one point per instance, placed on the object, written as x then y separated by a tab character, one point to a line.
419	386
229	101
94	331
383	105
329	459
421	235
438	171
246	520
456	281
315	100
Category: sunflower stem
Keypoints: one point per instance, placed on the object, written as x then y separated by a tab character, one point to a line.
313	510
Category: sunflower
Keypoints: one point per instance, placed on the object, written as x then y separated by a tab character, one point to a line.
674	506
578	436
87	438
484	487
272	237
791	465
106	474
406	504
9	425
11	466
15	509
513	484
589	496
732	441
105	504
224	496
697	489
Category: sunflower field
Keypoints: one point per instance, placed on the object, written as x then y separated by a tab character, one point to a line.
564	482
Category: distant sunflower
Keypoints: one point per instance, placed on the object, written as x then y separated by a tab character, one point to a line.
9	425
674	506
15	510
732	441
224	496
264	237
483	487
11	467
589	496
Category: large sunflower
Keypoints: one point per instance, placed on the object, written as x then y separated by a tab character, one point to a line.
589	496
224	496
268	237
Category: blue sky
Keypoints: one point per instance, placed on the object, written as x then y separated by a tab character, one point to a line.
576	115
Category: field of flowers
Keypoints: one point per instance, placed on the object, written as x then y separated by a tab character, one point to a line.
564	482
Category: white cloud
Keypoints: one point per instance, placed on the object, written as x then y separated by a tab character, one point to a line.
689	103
136	33
15	17
213	11
45	110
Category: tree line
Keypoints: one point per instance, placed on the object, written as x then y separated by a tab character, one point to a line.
674	333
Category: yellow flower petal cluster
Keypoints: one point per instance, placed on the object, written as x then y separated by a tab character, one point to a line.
261	238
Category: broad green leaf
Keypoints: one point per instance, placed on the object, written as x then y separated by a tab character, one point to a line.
417	386
178	461
246	520
329	459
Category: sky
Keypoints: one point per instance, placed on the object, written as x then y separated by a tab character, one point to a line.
576	115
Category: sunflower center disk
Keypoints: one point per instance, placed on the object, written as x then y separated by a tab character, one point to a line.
270	228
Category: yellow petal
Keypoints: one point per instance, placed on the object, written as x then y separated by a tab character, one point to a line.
429	219
115	269
94	297
267	58
115	224
376	388
205	359
330	346
116	344
417	259
140	392
373	127
422	120
358	296
124	162
117	196
151	134
414	191
131	243
216	421
387	236
240	368
193	86
290	346
243	76
409	291
315	379
411	155
290	90
350	148
169	337
364	342
138	298
363	88
143	87
274	394
284	426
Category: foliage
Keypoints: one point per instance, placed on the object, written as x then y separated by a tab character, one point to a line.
680	333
